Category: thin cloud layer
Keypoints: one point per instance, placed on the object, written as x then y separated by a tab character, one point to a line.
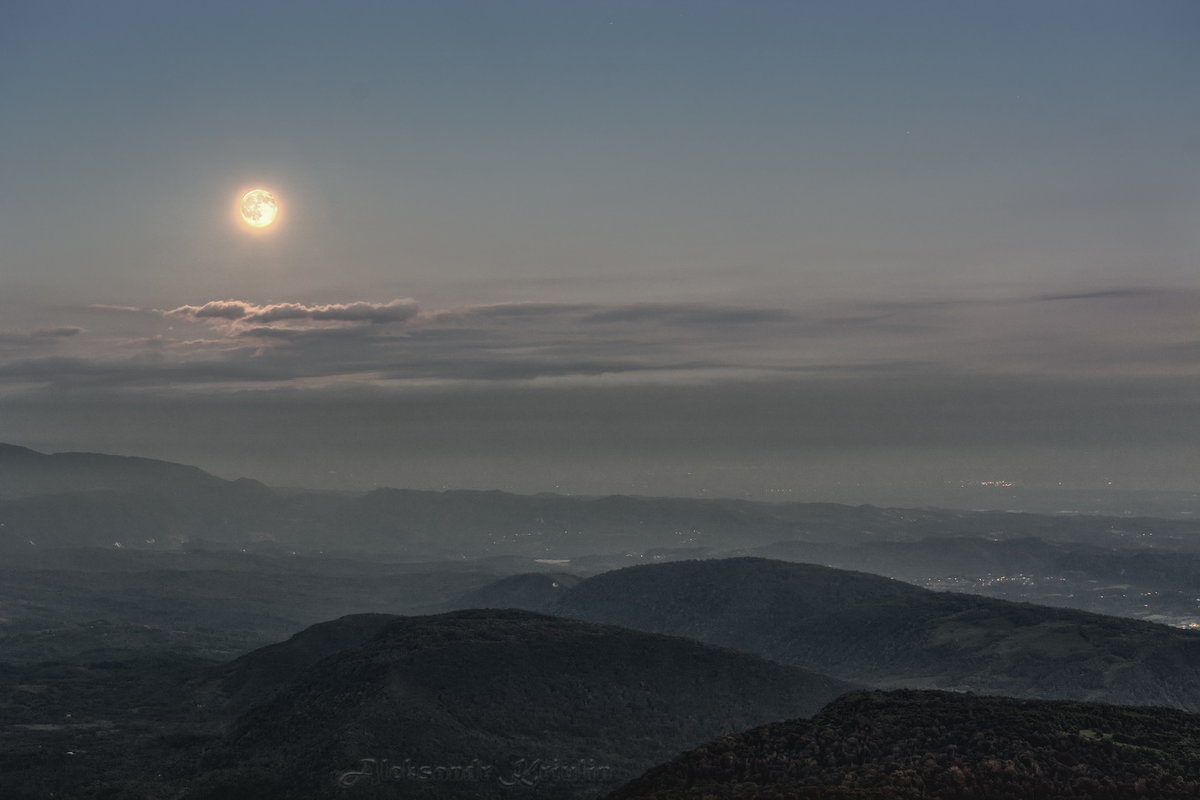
252	314
231	344
38	336
694	384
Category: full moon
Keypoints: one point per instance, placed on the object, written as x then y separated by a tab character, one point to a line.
259	208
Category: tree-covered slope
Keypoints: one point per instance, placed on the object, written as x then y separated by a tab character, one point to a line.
531	591
495	686
890	634
912	745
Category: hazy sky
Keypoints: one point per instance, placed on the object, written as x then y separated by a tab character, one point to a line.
656	246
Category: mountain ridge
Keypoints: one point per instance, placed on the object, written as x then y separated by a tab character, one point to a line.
908	745
441	689
887	633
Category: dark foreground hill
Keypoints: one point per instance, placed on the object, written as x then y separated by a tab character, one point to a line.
558	707
890	634
492	688
261	673
939	746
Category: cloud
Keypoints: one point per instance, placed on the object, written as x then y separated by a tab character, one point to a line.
690	314
652	313
508	311
216	309
267	320
386	342
245	343
237	311
686	383
38	336
121	309
1098	295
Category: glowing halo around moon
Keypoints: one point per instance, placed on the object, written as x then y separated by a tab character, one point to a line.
259	209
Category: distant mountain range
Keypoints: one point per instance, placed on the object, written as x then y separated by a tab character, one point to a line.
28	473
938	746
73	500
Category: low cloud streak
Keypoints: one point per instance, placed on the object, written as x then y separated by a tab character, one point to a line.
244	343
251	314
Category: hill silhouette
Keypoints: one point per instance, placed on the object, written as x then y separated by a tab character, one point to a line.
28	473
256	676
489	686
911	745
88	500
94	499
890	634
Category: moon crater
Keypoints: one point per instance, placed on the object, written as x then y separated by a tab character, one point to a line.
259	208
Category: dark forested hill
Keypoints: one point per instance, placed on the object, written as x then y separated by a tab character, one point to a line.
561	707
495	686
912	745
890	634
256	676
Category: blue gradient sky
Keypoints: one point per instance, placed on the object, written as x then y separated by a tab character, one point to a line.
831	198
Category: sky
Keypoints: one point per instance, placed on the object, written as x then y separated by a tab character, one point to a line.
788	250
